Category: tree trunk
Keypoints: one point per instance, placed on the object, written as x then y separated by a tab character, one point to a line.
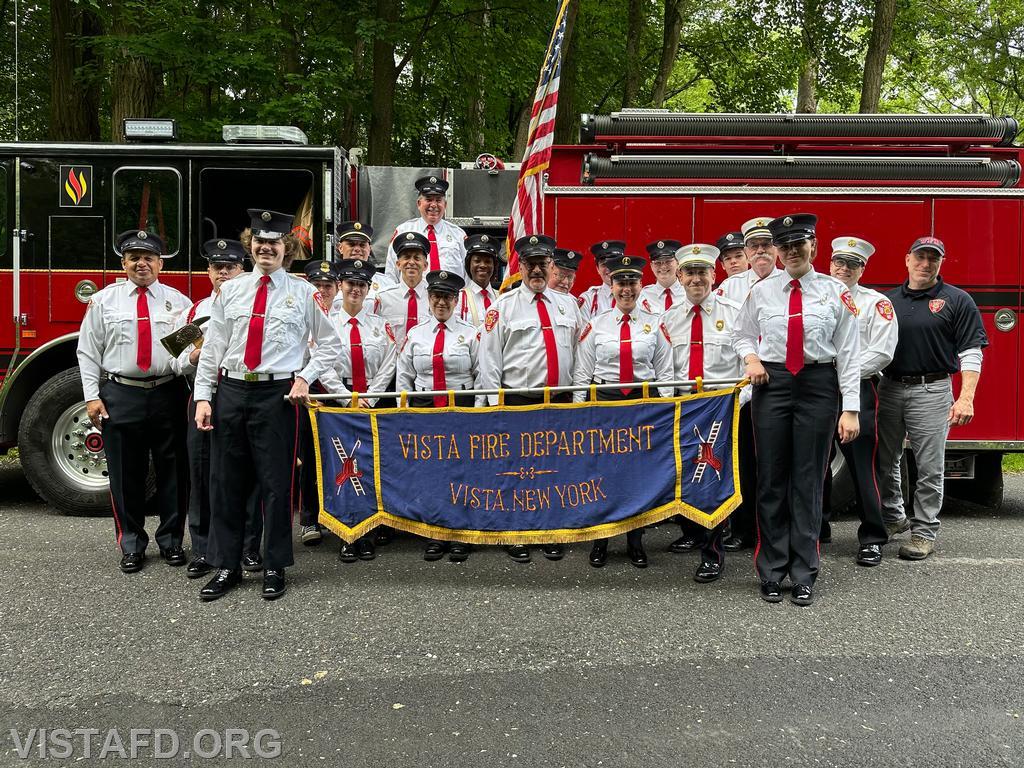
669	50
382	109
347	135
476	108
634	33
807	85
565	116
74	99
878	51
134	80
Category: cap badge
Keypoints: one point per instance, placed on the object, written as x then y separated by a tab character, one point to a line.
571	255
141	234
729	238
851	243
357	226
325	266
442	276
433	179
625	261
222	244
410	236
661	243
357	264
484	239
266	216
534	240
760	222
604	244
787	221
696	249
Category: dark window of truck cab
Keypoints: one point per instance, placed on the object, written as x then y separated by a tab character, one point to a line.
149	199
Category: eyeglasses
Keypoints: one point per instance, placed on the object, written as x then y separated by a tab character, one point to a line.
848	263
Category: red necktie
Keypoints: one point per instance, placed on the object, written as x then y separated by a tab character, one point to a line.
486	298
668	299
550	348
355	343
437	360
435	256
696	345
144	351
795	330
625	354
254	339
411	314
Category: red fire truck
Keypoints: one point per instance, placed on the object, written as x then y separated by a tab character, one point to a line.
636	176
643	175
62	206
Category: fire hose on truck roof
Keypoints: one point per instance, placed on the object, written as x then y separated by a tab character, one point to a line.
663	126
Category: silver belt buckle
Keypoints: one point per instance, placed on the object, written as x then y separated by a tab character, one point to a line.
250	376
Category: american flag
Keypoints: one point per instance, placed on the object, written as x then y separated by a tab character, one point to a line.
527	210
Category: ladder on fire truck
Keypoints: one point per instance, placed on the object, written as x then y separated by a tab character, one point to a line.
349	464
698	473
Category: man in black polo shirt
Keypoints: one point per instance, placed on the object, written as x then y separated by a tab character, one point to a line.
940	334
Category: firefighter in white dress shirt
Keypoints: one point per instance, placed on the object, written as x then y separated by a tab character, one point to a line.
446	242
665	292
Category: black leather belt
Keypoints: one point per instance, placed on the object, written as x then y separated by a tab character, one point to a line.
924	378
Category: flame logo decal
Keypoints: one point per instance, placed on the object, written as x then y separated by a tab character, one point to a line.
75	186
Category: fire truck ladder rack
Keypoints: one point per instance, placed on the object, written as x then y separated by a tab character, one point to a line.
651	126
758	169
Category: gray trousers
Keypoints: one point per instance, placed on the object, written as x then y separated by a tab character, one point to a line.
918	412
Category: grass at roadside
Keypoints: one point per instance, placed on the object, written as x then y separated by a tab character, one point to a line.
1013	462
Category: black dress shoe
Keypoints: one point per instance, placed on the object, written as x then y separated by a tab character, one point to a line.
869	555
771	592
734	544
458	552
637	556
382	536
198	567
434	551
132	561
365	549
223	582
552	551
174	556
684	543
252	562
599	554
519	552
347	553
273	584
801	595
708	571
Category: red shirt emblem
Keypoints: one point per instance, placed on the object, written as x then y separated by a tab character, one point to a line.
936	305
586	332
884	308
849	303
490	320
389	332
664	332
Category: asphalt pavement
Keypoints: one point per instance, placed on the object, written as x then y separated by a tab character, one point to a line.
399	662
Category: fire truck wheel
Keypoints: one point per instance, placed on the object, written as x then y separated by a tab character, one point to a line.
844	495
61	454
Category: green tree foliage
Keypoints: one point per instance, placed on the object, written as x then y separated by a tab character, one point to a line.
463	71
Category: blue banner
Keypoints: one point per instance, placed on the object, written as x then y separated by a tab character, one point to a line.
528	474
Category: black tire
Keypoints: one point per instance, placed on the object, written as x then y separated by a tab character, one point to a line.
49	473
843	497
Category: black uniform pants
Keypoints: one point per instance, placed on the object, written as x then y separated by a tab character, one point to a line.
308	489
255	435
863	460
559	397
794	418
146	423
199	496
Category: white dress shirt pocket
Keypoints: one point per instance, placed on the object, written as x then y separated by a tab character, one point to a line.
124	325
